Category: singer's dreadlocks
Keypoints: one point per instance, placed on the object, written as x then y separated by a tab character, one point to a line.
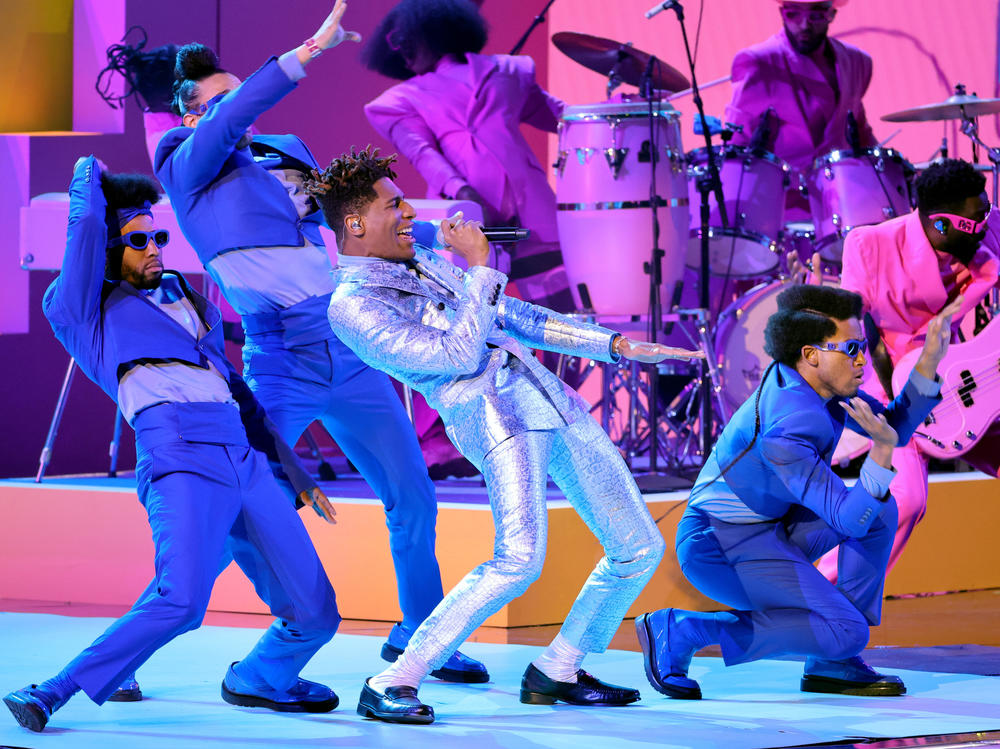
347	185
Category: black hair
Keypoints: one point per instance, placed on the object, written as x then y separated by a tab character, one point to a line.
194	63
807	315
444	27
947	184
347	185
123	191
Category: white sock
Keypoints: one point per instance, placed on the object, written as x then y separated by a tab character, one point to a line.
409	670
560	661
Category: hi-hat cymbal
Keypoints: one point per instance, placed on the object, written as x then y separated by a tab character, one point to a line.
606	55
956	107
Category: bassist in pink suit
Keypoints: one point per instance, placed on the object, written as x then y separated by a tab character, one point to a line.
908	269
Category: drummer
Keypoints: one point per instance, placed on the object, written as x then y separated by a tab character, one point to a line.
809	83
455	115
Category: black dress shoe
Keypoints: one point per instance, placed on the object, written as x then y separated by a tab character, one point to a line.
539	689
128	691
396	705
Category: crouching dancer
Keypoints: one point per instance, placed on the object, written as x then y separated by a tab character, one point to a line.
766	506
456	338
155	347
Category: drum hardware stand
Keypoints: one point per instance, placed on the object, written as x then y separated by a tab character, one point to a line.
632	430
707	184
971	129
538	21
50	438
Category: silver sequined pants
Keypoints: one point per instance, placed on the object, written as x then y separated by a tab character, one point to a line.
588	469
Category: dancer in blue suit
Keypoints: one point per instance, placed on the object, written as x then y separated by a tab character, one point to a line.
240	203
766	506
203	444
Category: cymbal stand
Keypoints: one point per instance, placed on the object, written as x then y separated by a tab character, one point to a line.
538	21
676	441
970	128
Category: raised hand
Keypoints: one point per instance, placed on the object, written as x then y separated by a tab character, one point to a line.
316	499
651	353
938	339
799	273
330	34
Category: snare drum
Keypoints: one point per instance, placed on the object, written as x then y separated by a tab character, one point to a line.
848	189
753	185
602	191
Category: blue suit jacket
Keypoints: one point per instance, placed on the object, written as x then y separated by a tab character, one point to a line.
789	464
223	199
108	326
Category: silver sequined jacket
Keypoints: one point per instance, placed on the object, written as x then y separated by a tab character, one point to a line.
456	338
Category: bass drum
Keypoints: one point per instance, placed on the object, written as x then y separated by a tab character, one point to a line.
739	348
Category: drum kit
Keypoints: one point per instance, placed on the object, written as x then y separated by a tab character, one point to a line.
603	167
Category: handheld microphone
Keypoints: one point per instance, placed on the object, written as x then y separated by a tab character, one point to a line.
505	234
667	5
429	234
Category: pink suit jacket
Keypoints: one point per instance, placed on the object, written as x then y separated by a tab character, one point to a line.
770	73
899	275
460	125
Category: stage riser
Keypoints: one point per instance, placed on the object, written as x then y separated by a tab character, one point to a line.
92	545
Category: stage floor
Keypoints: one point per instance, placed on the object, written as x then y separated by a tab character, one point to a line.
753	705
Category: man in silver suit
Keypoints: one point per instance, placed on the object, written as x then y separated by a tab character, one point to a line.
457	339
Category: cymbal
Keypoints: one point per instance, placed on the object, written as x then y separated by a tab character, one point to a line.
606	55
921	166
956	107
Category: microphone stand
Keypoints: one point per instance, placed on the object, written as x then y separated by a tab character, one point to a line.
653	481
708	184
539	20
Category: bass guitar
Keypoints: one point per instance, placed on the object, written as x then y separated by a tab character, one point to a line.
970	394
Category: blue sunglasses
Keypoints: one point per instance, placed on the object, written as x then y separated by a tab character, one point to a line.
139	240
851	348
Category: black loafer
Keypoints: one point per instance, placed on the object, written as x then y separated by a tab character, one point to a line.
128	691
539	689
303	697
851	676
396	705
28	709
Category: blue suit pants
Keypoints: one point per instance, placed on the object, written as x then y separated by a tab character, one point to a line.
199	497
783	605
360	409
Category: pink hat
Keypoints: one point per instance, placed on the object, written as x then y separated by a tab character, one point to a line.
836	3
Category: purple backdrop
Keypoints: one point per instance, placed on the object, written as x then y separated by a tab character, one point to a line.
326	111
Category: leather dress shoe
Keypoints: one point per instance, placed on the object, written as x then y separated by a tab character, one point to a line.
128	691
666	656
851	676
395	705
539	689
30	707
458	668
303	697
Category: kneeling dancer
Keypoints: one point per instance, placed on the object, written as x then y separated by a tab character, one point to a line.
767	505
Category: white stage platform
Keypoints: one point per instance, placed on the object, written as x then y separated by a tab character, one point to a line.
754	705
